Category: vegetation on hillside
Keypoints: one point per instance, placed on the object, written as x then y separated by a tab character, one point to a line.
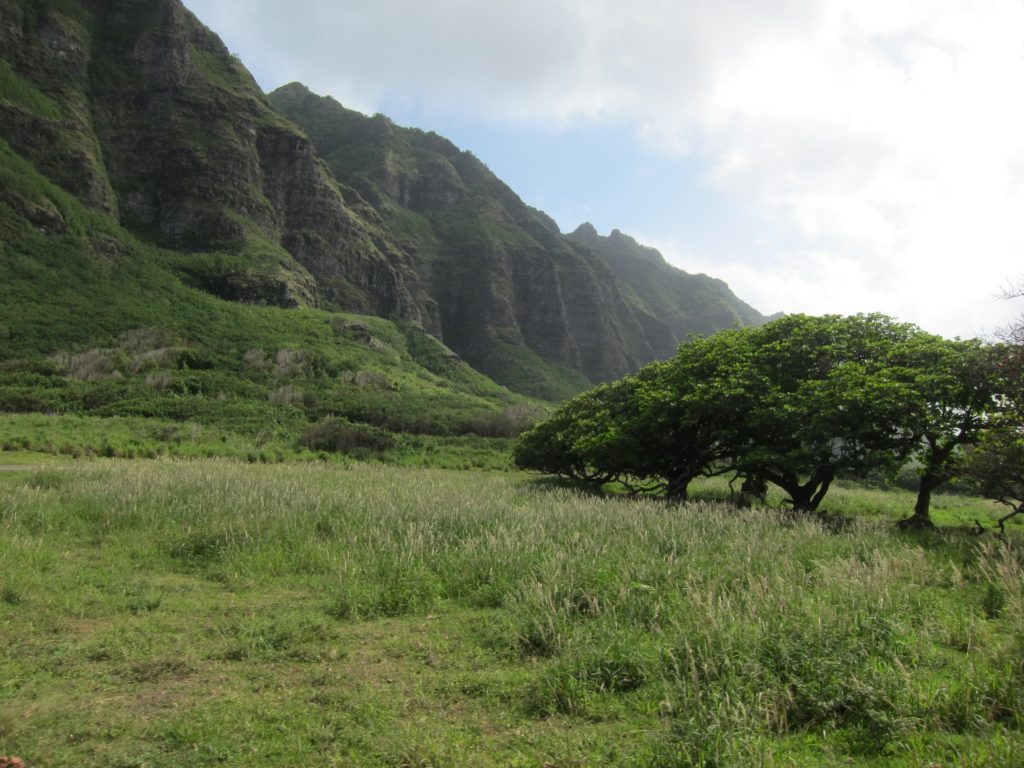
95	323
538	311
183	279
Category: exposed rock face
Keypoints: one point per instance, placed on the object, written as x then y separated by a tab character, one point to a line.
500	272
140	111
156	122
669	300
178	143
45	114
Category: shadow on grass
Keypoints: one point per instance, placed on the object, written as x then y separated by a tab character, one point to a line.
552	483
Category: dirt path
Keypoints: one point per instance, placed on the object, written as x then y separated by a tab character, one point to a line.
17	467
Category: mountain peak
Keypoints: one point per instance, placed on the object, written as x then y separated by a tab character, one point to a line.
586	231
294	88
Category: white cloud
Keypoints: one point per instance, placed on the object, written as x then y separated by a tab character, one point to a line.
901	152
879	144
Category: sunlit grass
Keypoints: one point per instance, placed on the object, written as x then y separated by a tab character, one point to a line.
851	499
208	612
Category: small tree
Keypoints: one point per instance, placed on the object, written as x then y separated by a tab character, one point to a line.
955	389
996	464
654	431
563	443
693	407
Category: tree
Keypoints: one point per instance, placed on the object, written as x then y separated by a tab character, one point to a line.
956	387
996	461
643	431
686	410
996	464
557	445
826	401
797	402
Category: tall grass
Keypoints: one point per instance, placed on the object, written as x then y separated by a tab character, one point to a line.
695	635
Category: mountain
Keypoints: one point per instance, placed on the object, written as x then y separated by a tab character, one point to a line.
500	273
172	249
685	304
143	167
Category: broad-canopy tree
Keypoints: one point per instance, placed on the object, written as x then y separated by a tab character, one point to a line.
560	445
996	464
996	461
825	402
694	407
653	432
797	402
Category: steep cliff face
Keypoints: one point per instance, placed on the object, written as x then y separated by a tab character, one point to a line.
511	291
157	123
501	272
139	111
684	304
199	160
44	110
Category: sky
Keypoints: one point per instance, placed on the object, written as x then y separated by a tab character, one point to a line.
820	156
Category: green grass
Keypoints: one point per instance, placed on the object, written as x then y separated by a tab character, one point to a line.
41	438
851	499
206	612
17	90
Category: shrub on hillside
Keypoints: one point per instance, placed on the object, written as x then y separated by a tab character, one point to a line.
509	422
286	395
342	436
91	365
140	340
289	363
255	361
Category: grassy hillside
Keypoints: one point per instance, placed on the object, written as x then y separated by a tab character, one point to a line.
141	114
205	613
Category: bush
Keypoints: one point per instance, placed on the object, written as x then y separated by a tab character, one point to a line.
510	422
341	436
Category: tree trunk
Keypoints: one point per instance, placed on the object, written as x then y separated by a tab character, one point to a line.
799	495
922	516
1019	509
802	497
932	478
753	491
808	496
825	483
678	488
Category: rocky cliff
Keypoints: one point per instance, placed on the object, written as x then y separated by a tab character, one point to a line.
139	111
500	272
683	303
155	122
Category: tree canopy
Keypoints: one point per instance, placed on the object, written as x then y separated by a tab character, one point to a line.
995	461
797	402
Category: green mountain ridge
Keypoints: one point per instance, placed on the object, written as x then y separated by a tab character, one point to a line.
457	212
686	304
100	321
146	168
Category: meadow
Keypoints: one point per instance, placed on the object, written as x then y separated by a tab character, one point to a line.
206	612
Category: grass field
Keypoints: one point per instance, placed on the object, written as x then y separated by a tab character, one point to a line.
206	612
